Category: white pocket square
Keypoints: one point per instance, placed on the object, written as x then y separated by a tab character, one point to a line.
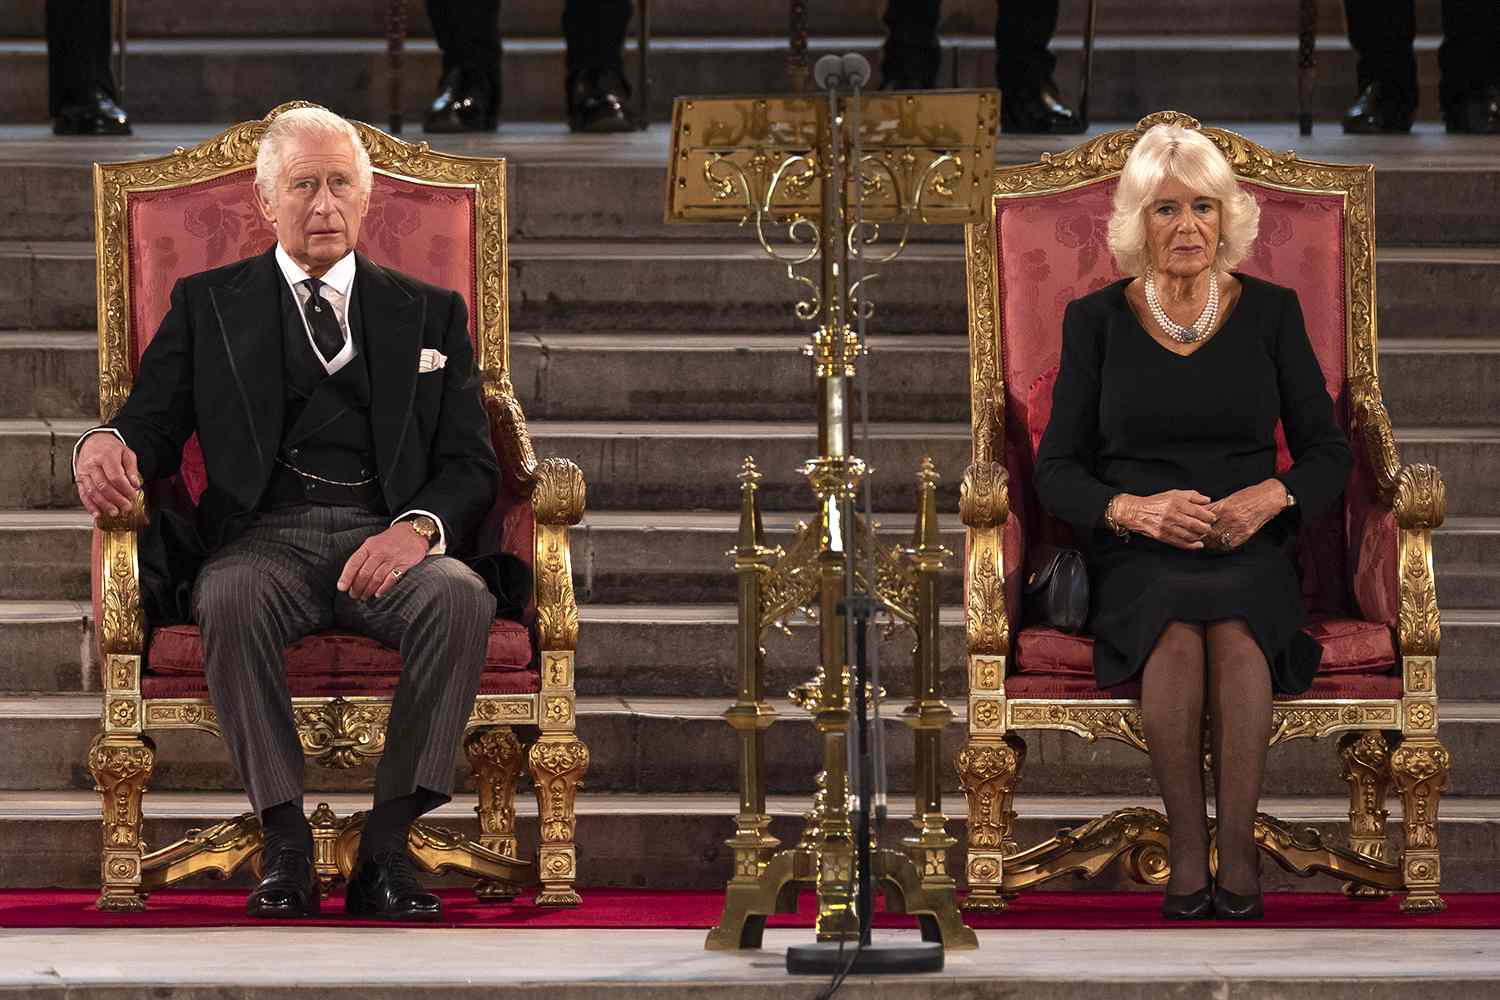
431	360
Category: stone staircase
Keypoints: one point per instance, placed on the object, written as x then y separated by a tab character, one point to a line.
657	357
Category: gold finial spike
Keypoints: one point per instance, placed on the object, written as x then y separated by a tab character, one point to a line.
751	536
925	531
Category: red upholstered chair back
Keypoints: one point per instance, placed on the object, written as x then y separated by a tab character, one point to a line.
421	229
1052	247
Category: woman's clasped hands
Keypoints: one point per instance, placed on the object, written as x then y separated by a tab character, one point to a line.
1187	519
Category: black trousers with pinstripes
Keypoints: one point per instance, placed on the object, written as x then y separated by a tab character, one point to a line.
275	584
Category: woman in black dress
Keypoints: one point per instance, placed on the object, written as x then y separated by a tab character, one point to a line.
1161	453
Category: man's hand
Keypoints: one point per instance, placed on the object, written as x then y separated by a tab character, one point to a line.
378	564
107	475
1240	515
1181	518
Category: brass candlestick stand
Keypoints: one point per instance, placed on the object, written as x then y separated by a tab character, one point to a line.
831	178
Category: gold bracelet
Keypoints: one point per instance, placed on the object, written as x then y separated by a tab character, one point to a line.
1109	518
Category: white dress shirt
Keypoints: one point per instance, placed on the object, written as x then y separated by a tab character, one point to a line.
337	291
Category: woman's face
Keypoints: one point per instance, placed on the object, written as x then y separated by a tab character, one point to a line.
1182	229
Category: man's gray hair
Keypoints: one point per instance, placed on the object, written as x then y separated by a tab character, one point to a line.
1187	155
305	122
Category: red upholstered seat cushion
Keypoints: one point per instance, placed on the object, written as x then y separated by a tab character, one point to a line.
1350	647
329	685
1351	686
329	663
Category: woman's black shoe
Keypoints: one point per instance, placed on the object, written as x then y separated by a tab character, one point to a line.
1189	906
1232	906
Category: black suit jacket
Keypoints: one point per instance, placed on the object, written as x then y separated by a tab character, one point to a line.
215	367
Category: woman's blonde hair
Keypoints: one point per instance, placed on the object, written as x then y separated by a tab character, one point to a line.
1189	156
304	122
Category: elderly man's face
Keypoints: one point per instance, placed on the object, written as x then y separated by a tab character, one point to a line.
318	204
1182	228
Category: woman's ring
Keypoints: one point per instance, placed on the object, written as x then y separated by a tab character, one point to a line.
395	572
1224	538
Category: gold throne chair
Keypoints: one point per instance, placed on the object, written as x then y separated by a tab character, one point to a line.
443	219
1366	567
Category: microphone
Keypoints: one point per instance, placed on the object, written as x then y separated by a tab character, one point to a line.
856	69
828	72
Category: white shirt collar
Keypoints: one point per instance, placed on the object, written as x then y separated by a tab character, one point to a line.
339	277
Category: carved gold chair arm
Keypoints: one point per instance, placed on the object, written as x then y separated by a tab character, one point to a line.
1414	492
122	623
518	464
983	497
560	494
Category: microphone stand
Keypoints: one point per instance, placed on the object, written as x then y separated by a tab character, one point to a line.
867	768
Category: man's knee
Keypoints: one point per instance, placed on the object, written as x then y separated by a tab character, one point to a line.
453	594
230	594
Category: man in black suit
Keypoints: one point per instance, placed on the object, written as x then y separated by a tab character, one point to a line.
80	85
1382	32
1023	63
346	450
468	33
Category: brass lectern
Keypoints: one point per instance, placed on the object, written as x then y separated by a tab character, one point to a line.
831	172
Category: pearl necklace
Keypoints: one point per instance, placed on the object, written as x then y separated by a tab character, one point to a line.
1201	326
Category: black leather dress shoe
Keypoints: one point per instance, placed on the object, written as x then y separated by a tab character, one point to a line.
596	102
462	105
1378	110
1476	113
1232	906
1038	112
386	888
289	889
99	115
1189	906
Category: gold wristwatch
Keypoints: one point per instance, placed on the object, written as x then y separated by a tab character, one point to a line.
424	526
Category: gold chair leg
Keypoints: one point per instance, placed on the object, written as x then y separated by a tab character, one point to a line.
121	765
495	756
1366	760
558	762
1419	768
989	772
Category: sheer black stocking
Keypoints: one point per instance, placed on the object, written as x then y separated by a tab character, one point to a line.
1239	695
1172	688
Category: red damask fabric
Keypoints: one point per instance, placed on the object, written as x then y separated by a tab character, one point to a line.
178	650
1051	249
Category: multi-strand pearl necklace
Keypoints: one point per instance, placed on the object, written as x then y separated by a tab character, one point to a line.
1201	326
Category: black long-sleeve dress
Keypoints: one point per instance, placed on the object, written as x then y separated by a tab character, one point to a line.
1129	416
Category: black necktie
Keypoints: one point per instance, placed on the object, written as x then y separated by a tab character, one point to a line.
327	334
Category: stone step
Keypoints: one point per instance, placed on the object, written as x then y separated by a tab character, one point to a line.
1431	188
677	841
47	738
588	286
681	465
340	18
753	376
213	79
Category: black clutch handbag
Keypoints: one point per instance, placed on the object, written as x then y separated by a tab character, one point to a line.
1057	590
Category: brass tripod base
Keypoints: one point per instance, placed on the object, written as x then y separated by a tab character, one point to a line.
748	903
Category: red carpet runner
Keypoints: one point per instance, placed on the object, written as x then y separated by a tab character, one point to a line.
647	909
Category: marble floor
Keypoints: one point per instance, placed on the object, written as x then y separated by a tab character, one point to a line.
1238	962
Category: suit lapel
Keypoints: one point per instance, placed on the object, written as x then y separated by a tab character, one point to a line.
248	308
391	321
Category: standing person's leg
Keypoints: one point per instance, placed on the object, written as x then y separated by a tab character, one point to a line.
81	85
438	615
1172	685
1470	64
468	33
253	598
1381	32
1023	69
912	55
1239	696
597	90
